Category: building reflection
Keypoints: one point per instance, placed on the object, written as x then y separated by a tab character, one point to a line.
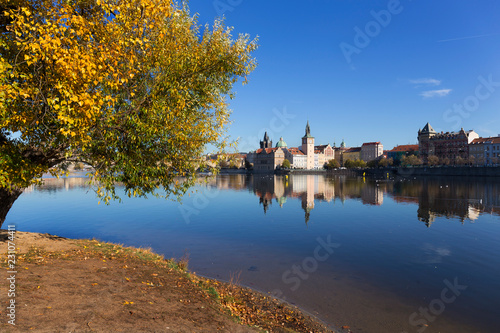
52	185
309	189
448	197
445	197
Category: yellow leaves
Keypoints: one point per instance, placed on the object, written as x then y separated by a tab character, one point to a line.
94	69
127	303
25	11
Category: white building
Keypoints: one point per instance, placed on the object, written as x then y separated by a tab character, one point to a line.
308	147
297	158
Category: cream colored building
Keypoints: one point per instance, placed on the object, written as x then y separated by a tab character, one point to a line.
371	151
308	147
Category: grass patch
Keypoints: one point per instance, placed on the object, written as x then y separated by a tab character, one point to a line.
213	293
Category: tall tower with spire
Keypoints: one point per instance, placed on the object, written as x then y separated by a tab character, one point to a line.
308	147
266	143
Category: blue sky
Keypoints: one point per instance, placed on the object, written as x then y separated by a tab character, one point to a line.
364	70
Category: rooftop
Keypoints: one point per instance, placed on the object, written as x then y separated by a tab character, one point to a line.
371	143
446	135
281	143
295	151
495	139
428	129
405	148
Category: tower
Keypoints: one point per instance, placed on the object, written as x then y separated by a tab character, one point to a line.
308	147
425	146
266	143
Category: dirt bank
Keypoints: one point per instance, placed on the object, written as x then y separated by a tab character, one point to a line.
66	285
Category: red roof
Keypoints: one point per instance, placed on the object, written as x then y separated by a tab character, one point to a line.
267	150
405	148
495	139
371	143
295	151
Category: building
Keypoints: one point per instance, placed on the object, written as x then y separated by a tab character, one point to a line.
352	154
450	146
308	147
477	151
266	159
492	151
398	152
296	157
266	143
371	151
485	151
424	143
307	156
339	151
325	153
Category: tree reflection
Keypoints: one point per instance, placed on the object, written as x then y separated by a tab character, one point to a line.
448	197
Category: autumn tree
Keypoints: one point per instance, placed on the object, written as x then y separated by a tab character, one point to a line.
410	160
286	164
133	88
332	164
385	162
349	164
433	160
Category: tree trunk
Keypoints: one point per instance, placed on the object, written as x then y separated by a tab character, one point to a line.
7	199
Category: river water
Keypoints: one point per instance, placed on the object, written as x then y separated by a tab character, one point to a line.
394	255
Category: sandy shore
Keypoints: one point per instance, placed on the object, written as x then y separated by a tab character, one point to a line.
66	285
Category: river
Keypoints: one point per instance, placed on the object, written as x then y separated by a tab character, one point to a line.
394	255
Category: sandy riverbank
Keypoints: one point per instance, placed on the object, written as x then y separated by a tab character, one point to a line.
66	285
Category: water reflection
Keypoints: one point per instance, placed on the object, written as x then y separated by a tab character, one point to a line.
53	185
449	197
446	197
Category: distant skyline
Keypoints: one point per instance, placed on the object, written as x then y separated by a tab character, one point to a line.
364	70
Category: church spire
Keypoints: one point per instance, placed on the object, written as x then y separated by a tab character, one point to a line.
266	143
308	131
